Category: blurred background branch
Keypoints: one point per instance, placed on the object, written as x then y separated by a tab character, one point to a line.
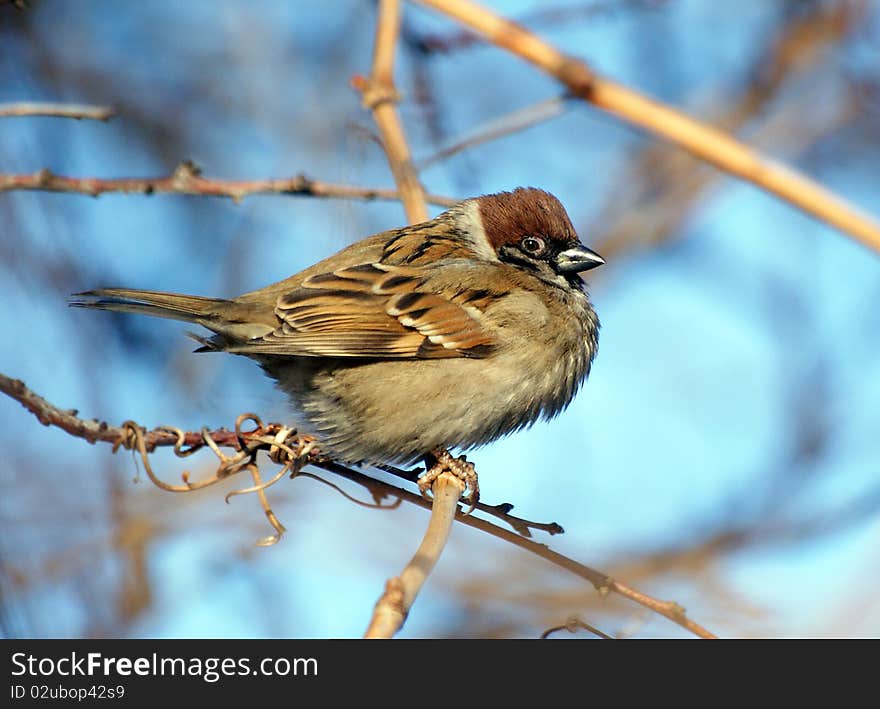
59	110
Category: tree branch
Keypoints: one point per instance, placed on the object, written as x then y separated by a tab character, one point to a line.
60	110
400	593
513	122
572	625
704	141
379	95
186	179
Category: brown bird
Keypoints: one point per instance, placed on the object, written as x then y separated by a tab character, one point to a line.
446	334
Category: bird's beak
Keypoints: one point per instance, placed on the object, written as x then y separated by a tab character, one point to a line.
576	259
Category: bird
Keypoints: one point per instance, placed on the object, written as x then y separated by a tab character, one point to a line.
442	335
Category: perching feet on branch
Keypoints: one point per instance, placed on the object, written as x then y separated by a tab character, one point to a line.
439	461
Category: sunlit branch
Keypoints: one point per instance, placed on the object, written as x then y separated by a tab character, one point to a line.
187	179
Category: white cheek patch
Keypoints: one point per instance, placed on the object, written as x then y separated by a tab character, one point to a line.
471	223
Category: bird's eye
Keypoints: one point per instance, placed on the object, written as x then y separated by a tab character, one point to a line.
532	245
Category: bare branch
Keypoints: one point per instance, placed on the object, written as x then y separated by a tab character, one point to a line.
400	593
572	625
59	110
505	125
187	180
700	139
93	430
379	95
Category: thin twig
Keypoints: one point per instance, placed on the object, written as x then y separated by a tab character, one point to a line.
501	511
187	180
379	95
393	606
59	110
351	498
704	141
93	431
520	525
513	122
572	625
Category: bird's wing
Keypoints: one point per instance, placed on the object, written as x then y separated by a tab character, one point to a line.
376	311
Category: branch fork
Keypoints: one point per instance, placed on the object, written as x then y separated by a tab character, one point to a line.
374	92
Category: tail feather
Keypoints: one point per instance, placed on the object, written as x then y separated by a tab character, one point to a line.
189	308
215	343
230	321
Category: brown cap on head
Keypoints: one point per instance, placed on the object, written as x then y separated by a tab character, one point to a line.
527	211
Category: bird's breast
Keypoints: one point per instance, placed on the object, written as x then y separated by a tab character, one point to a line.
546	344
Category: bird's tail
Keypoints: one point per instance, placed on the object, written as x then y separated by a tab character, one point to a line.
189	308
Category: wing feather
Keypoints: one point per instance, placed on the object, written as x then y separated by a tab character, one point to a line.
375	311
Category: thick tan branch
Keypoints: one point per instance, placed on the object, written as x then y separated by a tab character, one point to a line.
187	180
702	140
380	95
393	606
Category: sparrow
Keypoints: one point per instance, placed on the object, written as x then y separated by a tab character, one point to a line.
442	335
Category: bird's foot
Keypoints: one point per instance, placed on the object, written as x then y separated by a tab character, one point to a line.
440	461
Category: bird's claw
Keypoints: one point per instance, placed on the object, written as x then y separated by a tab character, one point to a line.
440	462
